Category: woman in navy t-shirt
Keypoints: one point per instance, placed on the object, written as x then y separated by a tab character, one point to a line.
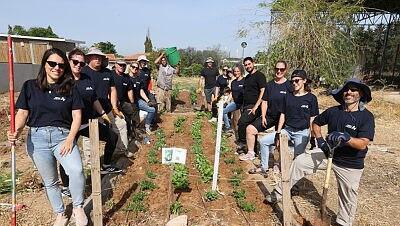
51	106
237	88
297	113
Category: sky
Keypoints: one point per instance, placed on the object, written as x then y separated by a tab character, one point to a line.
198	24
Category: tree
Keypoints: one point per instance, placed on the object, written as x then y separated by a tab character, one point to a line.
148	46
314	35
33	31
106	47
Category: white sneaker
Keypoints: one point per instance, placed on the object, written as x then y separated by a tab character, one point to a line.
213	120
61	220
128	154
80	217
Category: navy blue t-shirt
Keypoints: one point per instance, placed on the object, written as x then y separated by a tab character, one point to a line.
87	90
103	81
136	87
237	88
48	108
123	85
210	77
359	124
275	94
252	85
145	78
299	109
222	83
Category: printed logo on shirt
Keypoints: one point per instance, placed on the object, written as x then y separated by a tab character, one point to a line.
283	92
59	98
351	127
89	88
106	79
125	84
304	106
240	85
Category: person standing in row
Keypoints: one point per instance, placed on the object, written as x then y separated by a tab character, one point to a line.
350	129
164	82
51	106
237	88
208	80
106	94
272	101
92	109
254	85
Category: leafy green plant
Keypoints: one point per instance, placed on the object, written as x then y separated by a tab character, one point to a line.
147	185
152	157
176	208
239	194
237	171
180	178
136	204
211	195
178	123
193	95
150	174
235	180
5	183
245	206
176	89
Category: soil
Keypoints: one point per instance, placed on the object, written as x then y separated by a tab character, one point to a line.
378	200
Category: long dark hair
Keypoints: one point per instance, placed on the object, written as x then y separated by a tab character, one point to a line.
65	82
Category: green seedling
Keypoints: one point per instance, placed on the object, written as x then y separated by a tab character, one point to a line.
211	195
150	174
230	160
236	180
180	178
176	208
178	123
147	185
245	206
239	194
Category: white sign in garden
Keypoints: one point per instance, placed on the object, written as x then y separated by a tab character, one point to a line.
173	155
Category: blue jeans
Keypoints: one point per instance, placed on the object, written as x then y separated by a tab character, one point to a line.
151	111
232	106
43	146
299	139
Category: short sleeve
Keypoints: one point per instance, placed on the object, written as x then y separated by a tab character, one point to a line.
112	80
202	74
366	129
77	102
322	119
282	107
262	81
24	96
266	94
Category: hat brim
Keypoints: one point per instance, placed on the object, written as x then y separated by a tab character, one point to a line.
338	93
209	61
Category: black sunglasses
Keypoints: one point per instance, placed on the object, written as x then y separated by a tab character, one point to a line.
280	69
54	64
295	80
76	62
352	89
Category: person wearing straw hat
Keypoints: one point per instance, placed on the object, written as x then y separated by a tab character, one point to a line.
208	80
350	128
164	82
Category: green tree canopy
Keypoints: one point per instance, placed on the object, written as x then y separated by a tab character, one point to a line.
106	47
33	31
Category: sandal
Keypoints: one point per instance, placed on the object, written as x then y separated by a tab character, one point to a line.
260	171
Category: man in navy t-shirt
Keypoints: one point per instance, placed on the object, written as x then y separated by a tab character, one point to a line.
350	129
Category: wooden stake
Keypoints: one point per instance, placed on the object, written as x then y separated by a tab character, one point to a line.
95	170
285	165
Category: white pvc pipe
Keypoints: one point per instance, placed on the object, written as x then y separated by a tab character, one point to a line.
218	144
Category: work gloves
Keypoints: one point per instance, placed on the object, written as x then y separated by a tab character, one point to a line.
338	138
323	145
117	113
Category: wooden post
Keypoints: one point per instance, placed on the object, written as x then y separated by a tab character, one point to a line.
95	170
217	145
285	166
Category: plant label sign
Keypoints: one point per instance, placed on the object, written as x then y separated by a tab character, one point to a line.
173	155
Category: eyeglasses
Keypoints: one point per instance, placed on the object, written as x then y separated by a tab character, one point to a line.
76	62
280	69
352	89
134	67
54	64
224	69
295	80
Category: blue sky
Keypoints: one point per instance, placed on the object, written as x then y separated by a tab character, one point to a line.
198	24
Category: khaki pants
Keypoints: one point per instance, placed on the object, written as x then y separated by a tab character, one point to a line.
164	99
348	181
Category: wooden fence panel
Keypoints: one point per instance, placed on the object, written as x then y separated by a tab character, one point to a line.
22	52
3	52
38	51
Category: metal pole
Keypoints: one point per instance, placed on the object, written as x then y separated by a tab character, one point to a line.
217	145
395	59
385	44
12	128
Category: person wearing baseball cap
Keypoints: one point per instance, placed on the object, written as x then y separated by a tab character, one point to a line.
350	129
208	80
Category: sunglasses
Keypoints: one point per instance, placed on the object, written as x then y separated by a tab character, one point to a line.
295	80
352	89
54	64
134	67
122	65
280	69
76	62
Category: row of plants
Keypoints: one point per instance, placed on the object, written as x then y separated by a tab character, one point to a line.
180	181
152	155
239	193
178	124
203	165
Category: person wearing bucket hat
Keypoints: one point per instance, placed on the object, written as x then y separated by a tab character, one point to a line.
164	82
208	80
350	129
